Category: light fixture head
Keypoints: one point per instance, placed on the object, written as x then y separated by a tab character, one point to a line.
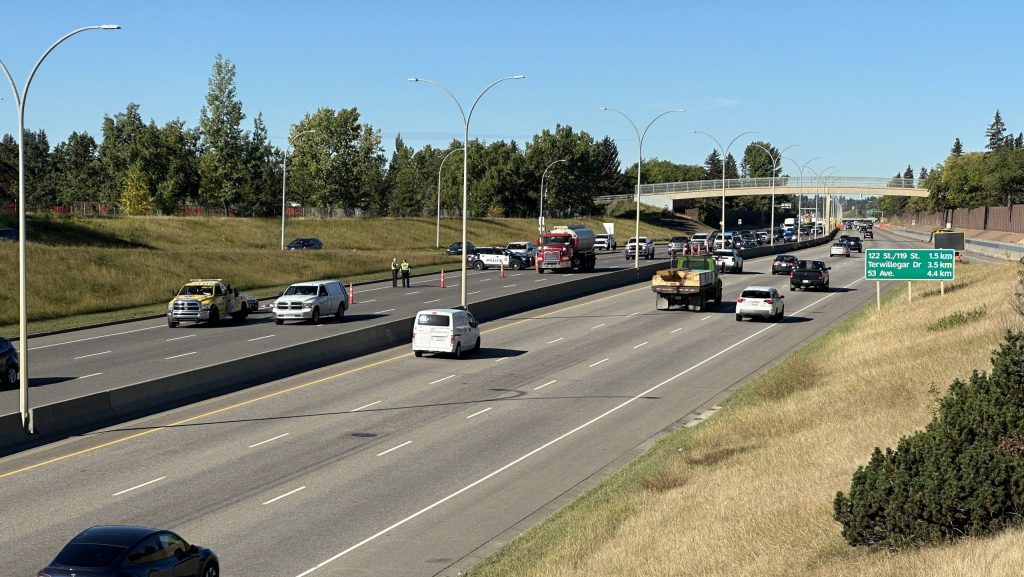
110	27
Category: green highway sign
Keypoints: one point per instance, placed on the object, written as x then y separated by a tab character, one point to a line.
909	264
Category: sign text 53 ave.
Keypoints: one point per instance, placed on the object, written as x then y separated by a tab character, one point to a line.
909	264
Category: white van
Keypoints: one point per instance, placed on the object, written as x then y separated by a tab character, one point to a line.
450	331
311	301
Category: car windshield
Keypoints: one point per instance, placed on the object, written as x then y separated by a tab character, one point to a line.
303	290
196	290
559	239
88	555
517	246
434	320
726	252
756	294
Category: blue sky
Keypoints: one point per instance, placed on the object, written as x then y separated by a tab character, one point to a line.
869	86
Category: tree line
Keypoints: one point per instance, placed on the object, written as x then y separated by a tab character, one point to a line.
335	162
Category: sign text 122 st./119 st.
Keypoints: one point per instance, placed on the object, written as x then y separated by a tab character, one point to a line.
909	264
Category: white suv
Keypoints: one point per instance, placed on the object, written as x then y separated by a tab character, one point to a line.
605	242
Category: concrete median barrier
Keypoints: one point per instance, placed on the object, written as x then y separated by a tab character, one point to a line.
73	415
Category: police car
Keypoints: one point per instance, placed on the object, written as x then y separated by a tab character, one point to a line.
493	256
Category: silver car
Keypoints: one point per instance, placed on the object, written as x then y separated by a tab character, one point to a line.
760	301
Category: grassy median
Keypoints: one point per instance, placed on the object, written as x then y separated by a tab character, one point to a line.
750	491
91	270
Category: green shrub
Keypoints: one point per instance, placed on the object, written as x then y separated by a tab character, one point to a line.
962	476
956	319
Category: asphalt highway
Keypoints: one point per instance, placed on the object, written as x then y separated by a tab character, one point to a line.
402	466
80	362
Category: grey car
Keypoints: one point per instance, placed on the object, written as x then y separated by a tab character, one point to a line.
9	363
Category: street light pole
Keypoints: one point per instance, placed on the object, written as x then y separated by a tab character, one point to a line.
19	101
540	223
437	241
775	170
724	155
639	160
800	197
284	180
817	176
465	158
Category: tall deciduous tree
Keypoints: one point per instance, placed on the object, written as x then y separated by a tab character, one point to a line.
135	198
77	173
757	163
222	164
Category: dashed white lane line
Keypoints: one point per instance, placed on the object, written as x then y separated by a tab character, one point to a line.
501	359
179	356
179	338
441	380
597	326
292	492
632	313
556	340
472	293
597	363
92	355
369	301
540	280
139	486
706	318
383	311
268	440
366	406
94	338
485	280
433	301
413	293
89	375
261	338
479	413
641	344
676	330
509	285
545	384
393	449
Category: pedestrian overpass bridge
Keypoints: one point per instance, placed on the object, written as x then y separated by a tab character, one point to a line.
793	185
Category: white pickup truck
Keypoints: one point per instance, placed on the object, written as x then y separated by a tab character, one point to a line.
729	259
646	248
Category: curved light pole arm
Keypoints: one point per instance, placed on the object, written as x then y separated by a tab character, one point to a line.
14	89
462	113
489	86
437	240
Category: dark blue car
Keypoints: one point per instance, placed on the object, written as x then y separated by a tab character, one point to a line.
125	551
8	364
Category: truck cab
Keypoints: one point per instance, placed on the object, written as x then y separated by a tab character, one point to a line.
567	248
206	301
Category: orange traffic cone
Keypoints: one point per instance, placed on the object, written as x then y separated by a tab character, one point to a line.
442	277
351	294
502	269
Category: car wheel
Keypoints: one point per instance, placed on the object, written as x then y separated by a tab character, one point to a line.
792	288
211	570
418	353
516	265
476	347
479	265
540	270
214	315
739	318
10	376
340	315
278	322
316	316
172	324
458	350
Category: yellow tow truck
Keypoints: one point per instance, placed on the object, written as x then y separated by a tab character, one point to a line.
207	300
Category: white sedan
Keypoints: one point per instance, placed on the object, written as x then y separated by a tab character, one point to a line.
760	301
839	249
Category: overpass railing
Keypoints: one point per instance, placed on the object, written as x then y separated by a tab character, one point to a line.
810	183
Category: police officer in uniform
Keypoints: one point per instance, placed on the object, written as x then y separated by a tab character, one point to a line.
405	273
394	272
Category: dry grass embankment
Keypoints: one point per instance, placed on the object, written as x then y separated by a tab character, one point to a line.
750	491
88	270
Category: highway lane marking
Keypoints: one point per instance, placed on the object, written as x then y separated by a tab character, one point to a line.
210	413
556	340
94	338
597	327
703	319
676	330
89	375
632	313
139	486
509	285
479	413
441	380
545	384
433	301
384	311
261	338
366	406
522	458
540	280
597	363
179	338
292	492
641	344
369	301
179	356
393	449
268	440
485	280
454	286
472	293
413	293
92	355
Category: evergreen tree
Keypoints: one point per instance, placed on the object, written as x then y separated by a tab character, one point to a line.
922	176
713	166
1019	142
908	177
222	166
731	171
958	149
403	182
996	133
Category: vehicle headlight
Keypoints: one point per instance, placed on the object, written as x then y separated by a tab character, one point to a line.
307	305
205	307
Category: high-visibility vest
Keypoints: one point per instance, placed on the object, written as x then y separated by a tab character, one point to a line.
394	265
405	267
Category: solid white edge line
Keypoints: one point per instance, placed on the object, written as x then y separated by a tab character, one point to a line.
597	363
179	338
268	440
393	449
93	338
641	344
522	458
479	413
92	355
261	338
444	379
292	492
139	486
545	384
178	356
556	340
365	406
89	375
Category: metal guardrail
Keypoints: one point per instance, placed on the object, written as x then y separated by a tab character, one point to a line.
810	183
